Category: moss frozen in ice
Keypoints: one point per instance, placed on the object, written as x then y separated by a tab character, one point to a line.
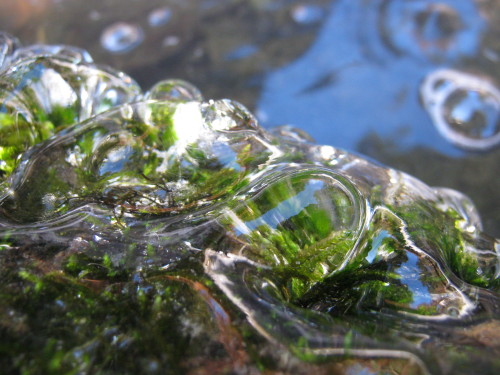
157	232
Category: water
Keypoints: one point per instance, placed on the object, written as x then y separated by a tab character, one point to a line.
241	52
352	75
144	231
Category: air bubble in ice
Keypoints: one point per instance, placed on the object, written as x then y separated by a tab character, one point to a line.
8	44
74	54
437	23
121	37
174	90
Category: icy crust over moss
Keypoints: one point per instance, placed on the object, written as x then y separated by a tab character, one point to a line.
176	231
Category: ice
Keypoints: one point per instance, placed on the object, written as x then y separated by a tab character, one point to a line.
323	252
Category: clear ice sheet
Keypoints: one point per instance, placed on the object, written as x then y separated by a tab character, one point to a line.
325	254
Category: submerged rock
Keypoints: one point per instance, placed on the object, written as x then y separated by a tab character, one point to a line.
160	232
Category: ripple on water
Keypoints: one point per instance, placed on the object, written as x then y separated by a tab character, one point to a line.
121	37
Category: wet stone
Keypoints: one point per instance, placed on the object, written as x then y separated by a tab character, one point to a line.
144	232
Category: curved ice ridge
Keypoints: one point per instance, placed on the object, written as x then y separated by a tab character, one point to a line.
316	246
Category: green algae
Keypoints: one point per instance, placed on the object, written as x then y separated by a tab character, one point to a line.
98	319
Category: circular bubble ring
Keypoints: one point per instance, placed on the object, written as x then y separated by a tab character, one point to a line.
437	88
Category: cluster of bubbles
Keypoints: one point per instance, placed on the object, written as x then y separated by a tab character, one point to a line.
123	37
317	247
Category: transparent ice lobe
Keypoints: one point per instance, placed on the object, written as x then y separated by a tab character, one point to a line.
326	253
307	333
12	51
8	44
74	54
48	88
149	157
305	218
310	225
174	90
358	242
306	245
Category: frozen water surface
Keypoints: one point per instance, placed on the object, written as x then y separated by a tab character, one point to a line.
162	231
144	231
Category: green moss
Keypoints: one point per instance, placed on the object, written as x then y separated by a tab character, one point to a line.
129	306
94	318
17	134
438	230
